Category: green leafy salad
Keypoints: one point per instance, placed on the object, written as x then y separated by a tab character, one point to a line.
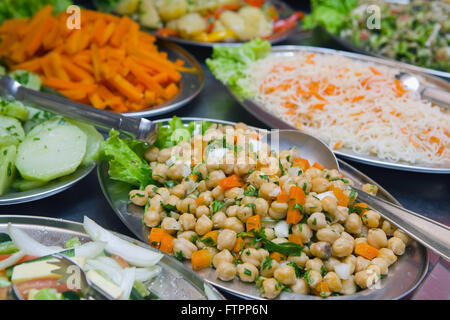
10	9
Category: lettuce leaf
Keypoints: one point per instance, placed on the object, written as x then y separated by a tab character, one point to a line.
10	9
228	64
126	162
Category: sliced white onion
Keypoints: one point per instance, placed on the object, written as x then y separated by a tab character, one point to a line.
128	276
275	192
145	274
110	262
90	249
293	171
218	153
342	270
114	274
12	260
171	161
322	195
282	229
133	254
186	171
27	244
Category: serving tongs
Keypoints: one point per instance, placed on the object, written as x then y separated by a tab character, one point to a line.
72	275
141	128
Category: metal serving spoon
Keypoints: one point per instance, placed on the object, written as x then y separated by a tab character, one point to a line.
140	128
434	95
67	269
431	234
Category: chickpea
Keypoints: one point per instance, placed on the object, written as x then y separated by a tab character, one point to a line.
226	271
159	173
285	274
176	171
304	231
371	219
269	190
313	278
188	235
320	185
263	253
366	278
341	214
401	235
382	264
300	287
388	228
278	210
312	204
342	247
202	186
170	225
364	232
247	272
201	211
244	167
338	184
268	268
226	239
334	283
375	268
138	197
347	236
361	264
313	173
179	190
261	207
222	256
244	213
269	233
370	189
353	224
151	190
252	256
218	193
151	218
396	245
151	154
187	205
270	288
330	263
388	255
232	211
247	199
333	174
351	261
360	240
314	264
203	225
348	286
327	234
235	224
213	164
187	221
233	193
329	204
337	227
377	238
164	194
219	220
186	247
228	165
321	249
212	250
214	178
317	221
164	154
299	260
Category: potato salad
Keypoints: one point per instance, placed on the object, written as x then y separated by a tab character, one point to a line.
220	197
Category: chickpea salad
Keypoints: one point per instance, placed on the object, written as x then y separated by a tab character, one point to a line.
218	196
206	21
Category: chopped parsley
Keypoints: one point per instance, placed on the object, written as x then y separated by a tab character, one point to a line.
247	272
169	207
323	271
264	177
251	205
251	191
216	206
170	184
267	264
179	255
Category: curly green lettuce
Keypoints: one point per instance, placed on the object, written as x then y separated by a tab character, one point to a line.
10	9
228	64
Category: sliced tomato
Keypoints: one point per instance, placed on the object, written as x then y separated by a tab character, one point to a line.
24	287
24	259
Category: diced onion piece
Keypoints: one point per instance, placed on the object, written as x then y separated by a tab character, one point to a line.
322	195
282	229
186	171
293	171
133	254
145	274
27	244
12	260
128	276
342	270
90	249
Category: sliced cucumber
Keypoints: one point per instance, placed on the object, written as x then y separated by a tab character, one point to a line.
11	131
13	109
48	125
27	79
94	141
53	152
36	117
25	185
7	167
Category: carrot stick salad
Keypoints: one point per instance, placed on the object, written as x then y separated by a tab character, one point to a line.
354	105
108	63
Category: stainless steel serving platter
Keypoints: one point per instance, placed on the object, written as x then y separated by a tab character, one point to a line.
275	122
48	190
284	11
174	283
403	277
190	86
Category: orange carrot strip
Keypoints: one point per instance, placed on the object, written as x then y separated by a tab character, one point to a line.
201	259
231	182
254	223
367	251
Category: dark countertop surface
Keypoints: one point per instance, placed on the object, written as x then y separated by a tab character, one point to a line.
427	194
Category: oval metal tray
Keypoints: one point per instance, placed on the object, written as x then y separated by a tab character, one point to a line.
48	190
275	122
403	277
174	283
